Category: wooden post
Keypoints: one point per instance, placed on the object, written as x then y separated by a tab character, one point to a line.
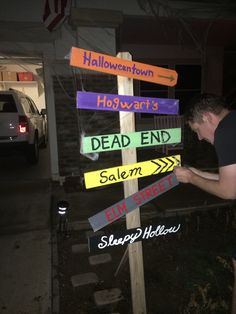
129	156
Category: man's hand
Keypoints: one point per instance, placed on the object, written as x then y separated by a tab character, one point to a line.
222	185
183	174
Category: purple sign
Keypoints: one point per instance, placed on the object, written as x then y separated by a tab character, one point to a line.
99	101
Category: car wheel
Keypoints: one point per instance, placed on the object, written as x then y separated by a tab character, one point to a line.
33	152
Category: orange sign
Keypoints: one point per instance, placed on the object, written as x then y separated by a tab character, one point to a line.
104	63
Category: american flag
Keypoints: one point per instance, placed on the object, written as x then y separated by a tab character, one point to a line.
55	13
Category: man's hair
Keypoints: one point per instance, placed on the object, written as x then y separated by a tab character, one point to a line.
204	103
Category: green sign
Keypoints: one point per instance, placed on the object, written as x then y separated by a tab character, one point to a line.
110	142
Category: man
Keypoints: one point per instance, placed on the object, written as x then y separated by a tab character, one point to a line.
209	117
212	121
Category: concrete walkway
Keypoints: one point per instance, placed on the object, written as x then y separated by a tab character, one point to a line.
25	273
25	259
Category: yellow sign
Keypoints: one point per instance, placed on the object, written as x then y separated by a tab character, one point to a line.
128	172
107	64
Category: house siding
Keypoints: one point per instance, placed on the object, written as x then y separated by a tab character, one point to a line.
71	122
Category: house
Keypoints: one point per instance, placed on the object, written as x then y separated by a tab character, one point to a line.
197	39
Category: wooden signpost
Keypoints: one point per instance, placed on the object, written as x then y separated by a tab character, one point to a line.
129	156
139	198
126	70
110	102
130	171
100	242
104	63
102	143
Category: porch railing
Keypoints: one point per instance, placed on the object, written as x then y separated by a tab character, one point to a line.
170	122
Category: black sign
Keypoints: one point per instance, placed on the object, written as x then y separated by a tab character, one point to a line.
130	236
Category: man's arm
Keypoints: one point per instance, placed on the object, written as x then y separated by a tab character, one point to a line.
223	186
205	174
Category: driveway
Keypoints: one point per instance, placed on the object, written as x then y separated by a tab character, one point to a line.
25	260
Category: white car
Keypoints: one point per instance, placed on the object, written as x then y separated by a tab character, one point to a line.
22	127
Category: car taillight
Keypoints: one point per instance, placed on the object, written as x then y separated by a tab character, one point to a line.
23	124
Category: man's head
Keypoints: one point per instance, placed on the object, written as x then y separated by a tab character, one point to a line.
204	114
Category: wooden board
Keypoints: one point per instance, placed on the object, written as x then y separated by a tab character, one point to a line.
101	242
104	63
130	171
112	102
129	156
127	205
109	142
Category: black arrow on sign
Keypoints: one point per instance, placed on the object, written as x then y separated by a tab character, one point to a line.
158	166
167	165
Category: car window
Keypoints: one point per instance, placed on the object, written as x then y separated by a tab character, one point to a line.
7	103
27	105
33	105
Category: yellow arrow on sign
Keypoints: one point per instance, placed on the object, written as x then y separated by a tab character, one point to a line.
128	172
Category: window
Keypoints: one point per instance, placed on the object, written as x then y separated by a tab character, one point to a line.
25	105
148	89
7	104
29	108
33	106
188	84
